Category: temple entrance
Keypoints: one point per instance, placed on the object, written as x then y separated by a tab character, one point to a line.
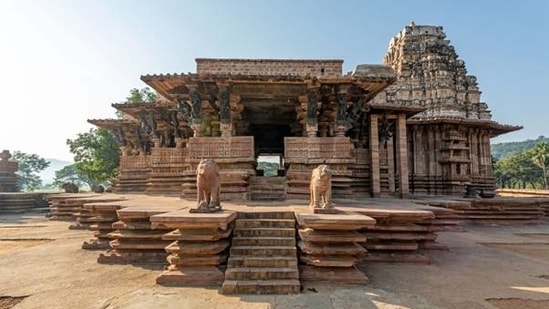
269	122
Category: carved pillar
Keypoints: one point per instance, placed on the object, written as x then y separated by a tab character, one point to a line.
391	165
225	112
237	108
402	156
341	118
312	112
196	113
374	157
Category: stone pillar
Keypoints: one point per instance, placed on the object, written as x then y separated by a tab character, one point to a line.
196	113
402	156
341	116
225	112
312	112
374	157
391	165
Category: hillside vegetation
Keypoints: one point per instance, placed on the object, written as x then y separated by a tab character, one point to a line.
501	150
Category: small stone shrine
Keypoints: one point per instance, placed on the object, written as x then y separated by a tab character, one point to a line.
8	178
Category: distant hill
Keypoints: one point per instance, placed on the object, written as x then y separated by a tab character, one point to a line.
48	174
501	150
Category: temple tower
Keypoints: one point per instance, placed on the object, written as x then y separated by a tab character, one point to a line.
449	142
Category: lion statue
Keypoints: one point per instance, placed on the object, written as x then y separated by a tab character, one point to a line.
208	186
321	187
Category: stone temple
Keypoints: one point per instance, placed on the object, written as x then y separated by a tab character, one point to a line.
412	125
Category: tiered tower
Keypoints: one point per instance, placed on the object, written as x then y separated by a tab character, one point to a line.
449	142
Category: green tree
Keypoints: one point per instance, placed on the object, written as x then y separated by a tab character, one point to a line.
143	95
69	174
540	157
30	165
96	156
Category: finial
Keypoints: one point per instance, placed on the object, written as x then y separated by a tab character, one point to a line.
412	23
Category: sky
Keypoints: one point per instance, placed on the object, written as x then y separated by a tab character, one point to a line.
65	61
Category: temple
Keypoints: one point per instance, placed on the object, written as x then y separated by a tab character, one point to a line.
413	125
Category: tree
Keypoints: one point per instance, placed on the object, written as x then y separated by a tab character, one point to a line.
143	95
96	156
540	157
69	174
30	165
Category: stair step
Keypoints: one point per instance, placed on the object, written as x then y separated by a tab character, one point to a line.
263	241
252	223
264	251
267	196
261	287
259	261
264	232
267	215
260	273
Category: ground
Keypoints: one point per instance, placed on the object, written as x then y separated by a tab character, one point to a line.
485	267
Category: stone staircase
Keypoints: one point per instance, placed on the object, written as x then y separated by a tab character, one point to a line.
267	188
263	255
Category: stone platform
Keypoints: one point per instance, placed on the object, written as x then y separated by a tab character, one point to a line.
198	246
265	247
19	202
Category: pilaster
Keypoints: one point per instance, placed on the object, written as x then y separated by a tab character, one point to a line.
402	156
374	156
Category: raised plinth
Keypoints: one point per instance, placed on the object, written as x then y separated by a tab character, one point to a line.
18	202
101	225
200	243
183	219
334	222
330	246
400	233
134	240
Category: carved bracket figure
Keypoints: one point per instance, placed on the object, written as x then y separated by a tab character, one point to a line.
225	107
196	107
312	109
208	187
321	187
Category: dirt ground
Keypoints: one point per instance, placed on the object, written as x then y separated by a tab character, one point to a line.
42	266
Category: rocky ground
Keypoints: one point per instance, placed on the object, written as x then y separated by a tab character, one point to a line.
42	266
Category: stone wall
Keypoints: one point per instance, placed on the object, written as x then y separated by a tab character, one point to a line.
270	67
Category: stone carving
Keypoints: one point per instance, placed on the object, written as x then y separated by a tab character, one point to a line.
208	187
148	124
386	130
196	107
185	109
69	187
312	110
321	187
341	109
225	107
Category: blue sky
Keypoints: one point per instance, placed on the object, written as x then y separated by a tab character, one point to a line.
63	62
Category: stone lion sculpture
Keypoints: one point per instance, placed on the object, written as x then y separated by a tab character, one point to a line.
69	187
208	186
321	187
